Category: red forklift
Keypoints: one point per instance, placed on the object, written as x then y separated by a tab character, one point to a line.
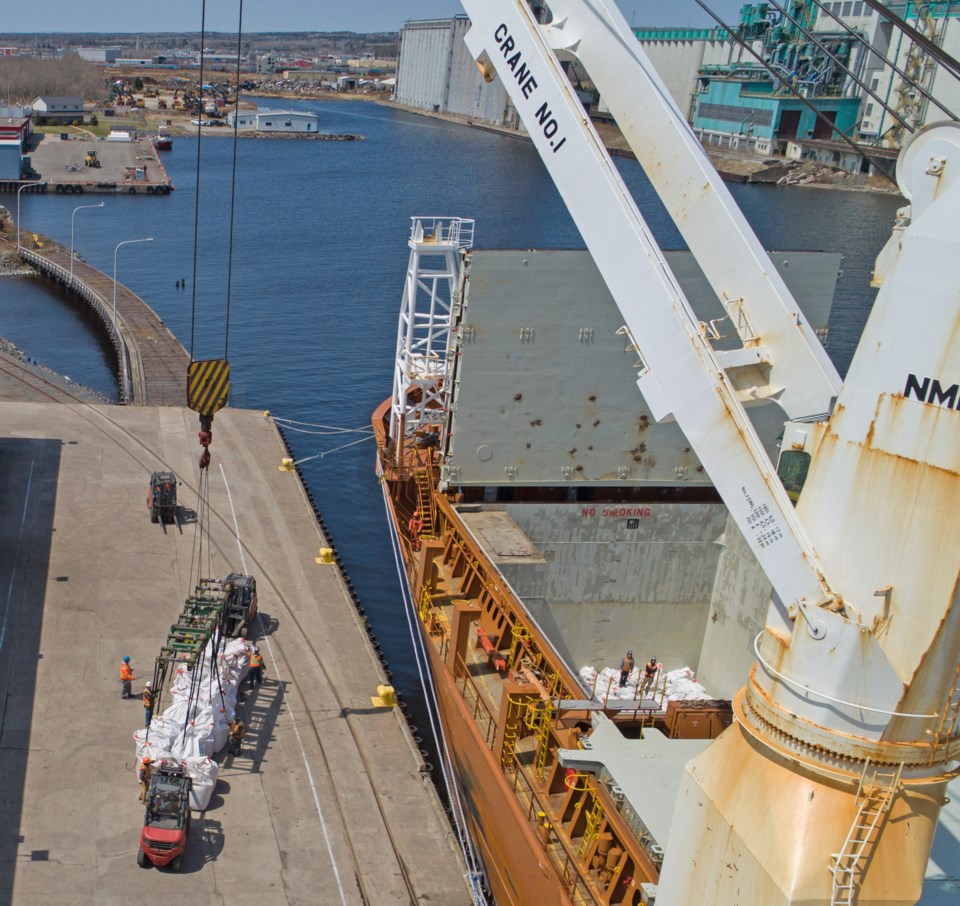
166	822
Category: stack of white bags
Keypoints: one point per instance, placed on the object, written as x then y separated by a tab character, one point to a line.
681	685
191	731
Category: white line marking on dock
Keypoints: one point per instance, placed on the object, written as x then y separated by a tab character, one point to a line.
303	753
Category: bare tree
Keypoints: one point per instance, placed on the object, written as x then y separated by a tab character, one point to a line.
22	79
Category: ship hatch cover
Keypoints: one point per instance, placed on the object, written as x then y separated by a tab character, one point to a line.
501	538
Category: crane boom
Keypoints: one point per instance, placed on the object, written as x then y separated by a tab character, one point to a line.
682	375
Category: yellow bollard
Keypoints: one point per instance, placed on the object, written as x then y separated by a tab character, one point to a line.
385	697
326	556
286	464
266	413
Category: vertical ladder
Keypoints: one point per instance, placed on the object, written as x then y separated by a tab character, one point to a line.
592	831
873	803
948	720
538	720
425	501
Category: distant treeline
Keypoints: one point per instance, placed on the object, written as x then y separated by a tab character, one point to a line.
24	79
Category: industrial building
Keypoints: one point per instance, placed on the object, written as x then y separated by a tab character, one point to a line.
437	73
731	99
275	121
99	54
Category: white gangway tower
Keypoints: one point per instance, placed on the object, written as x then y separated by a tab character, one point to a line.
423	338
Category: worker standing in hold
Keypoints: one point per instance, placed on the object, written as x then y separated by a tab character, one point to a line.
626	667
149	697
415	527
143	775
126	677
649	674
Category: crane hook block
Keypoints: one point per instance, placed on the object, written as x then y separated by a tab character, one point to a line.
208	385
206	438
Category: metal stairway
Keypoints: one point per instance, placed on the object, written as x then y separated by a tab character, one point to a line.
874	797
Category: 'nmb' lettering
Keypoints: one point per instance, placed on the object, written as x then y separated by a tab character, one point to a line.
932	391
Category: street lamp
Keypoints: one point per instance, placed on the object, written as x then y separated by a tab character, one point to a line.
117	249
38	182
72	216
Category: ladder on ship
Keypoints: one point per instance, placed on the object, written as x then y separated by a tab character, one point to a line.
425	501
873	803
948	721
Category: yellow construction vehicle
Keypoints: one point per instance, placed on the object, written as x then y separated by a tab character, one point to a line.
91	160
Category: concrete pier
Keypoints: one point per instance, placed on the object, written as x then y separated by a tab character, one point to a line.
327	804
151	361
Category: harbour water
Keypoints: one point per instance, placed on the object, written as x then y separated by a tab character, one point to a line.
318	264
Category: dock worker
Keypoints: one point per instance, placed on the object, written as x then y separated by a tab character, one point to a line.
149	697
256	667
415	526
126	677
143	775
237	730
649	673
626	667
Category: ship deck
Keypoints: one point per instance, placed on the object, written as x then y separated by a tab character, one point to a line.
319	805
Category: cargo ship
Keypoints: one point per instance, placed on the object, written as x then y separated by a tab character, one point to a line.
163	141
557	525
746	516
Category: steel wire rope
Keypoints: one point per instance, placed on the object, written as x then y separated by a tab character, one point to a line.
233	179
196	193
433	714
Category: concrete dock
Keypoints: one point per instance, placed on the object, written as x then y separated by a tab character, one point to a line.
327	804
130	167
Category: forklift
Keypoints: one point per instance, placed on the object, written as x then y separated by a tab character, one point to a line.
166	822
162	498
241	605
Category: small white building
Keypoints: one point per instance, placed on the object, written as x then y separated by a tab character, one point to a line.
275	121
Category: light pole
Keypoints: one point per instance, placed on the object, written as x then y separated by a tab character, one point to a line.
72	216
117	249
38	182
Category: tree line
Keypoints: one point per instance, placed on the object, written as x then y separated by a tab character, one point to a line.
24	79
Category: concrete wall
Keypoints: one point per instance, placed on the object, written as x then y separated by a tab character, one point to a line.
611	581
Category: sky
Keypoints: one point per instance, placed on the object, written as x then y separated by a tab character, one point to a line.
295	15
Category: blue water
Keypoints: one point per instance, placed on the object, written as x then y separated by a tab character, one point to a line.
318	267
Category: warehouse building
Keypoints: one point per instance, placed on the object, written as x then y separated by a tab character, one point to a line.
275	121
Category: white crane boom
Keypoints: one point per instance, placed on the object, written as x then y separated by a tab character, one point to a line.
682	375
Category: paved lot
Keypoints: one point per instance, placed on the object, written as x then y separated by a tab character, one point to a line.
63	161
326	805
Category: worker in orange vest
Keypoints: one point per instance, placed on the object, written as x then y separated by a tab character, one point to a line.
143	775
256	667
126	677
149	697
415	526
649	674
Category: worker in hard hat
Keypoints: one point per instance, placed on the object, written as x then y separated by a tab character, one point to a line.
649	674
255	677
149	697
415	527
126	677
237	729
143	775
626	667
